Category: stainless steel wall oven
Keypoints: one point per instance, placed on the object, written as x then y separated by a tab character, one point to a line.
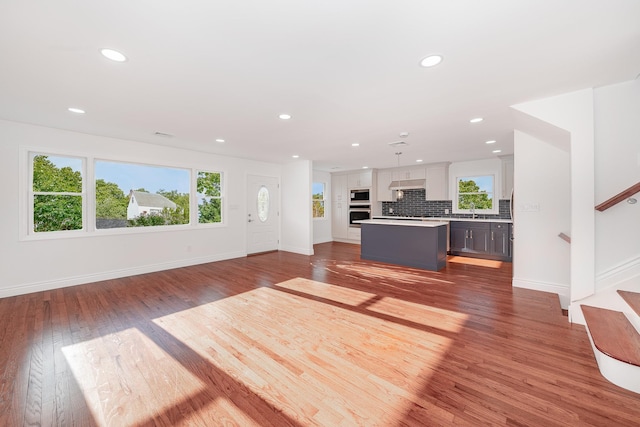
358	213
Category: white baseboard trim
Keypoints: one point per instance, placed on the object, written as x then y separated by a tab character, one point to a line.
113	274
563	291
624	272
296	250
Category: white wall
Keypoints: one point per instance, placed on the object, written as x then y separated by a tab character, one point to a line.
542	209
573	112
322	226
617	167
32	265
297	221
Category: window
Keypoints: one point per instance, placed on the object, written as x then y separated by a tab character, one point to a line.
57	193
317	199
475	193
60	190
134	195
209	194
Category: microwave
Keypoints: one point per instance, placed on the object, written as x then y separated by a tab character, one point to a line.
359	196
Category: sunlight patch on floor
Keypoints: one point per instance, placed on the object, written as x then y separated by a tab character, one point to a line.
335	293
120	382
317	363
402	274
475	261
421	314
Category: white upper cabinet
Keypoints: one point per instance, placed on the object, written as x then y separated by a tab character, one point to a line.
339	188
507	176
413	173
362	179
437	181
384	179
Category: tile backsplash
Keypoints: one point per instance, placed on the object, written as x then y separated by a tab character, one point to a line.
413	203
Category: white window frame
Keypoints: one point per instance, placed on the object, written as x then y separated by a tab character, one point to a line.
495	201
30	231
194	204
323	200
26	199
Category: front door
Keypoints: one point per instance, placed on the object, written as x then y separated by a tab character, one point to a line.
263	229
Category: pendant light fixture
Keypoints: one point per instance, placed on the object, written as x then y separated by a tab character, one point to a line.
399	193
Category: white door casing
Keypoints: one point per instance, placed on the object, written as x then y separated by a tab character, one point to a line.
263	222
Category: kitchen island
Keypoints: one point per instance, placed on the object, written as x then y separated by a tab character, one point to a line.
421	244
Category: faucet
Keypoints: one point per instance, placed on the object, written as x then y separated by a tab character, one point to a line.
473	210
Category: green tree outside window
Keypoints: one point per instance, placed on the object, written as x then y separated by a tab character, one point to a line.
57	194
471	196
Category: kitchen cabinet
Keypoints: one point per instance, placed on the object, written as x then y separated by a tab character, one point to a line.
470	237
481	240
339	207
339	190
507	176
500	239
437	181
354	233
362	179
339	219
384	179
413	173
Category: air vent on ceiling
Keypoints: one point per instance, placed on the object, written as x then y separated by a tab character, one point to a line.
165	135
398	144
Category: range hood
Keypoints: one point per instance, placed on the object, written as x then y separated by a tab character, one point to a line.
408	184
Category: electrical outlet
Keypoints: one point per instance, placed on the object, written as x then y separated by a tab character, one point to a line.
446	211
390	210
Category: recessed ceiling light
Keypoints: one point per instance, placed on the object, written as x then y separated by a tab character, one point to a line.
113	55
497	151
220	140
493	141
476	120
419	161
295	156
76	110
431	61
355	144
365	167
285	116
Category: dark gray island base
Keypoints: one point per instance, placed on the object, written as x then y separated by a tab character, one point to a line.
410	243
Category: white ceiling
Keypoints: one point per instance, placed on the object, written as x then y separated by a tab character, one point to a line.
346	70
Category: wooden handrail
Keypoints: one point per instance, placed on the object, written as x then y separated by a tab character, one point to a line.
619	197
564	237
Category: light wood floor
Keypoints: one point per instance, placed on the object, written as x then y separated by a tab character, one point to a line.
281	339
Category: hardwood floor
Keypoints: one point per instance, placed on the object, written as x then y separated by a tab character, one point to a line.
281	339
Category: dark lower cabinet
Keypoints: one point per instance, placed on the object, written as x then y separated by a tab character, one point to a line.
501	239
490	240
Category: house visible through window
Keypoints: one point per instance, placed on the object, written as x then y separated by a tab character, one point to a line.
317	201
57	193
126	195
134	195
476	193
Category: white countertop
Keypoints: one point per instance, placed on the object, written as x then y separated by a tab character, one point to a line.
439	219
403	222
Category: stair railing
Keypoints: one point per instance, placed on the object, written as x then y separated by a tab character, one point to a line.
626	194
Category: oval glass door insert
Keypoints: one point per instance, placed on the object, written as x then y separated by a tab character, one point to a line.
263	204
